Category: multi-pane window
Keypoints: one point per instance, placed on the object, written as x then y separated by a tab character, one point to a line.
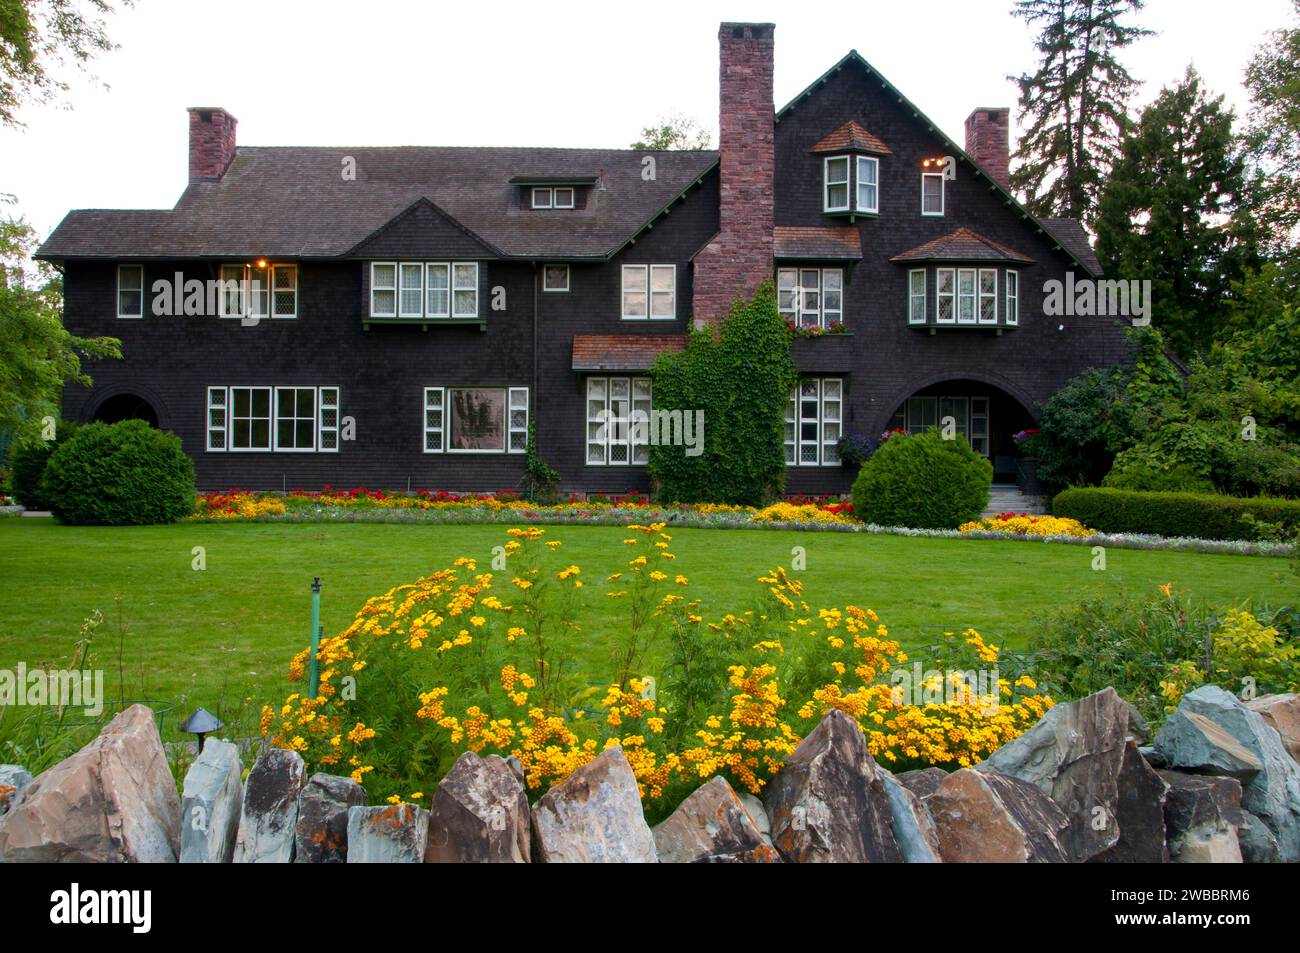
969	416
283	419
813	422
868	184
1011	304
836	190
475	419
130	291
649	291
423	289
945	295
810	297
966	296
931	193
618	420
560	196
249	291
988	296
916	296
555	278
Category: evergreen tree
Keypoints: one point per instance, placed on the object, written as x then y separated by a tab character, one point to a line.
1273	132
1074	107
1171	213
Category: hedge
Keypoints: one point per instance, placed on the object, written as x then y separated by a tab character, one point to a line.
922	481
1195	515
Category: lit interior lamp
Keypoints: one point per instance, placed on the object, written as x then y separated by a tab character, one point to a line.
261	263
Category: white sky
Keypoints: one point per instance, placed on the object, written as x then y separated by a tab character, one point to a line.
563	73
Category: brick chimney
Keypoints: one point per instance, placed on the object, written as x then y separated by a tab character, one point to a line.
212	142
739	258
988	142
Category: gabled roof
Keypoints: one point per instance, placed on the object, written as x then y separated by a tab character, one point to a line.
817	242
853	57
852	137
622	352
963	244
293	202
1069	232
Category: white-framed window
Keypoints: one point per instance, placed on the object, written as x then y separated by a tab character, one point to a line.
814	422
475	419
1011	302
932	193
618	421
555	278
868	195
410	297
130	291
979	425
217	420
966	296
284	291
295	419
424	289
327	423
649	291
383	289
246	290
916	296
250	419
971	415
835	191
988	296
557	196
945	295
810	297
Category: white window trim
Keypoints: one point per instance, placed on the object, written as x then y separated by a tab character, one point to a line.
847	183
230	418
981	296
126	315
322	428
857	190
457	287
429	268
403	288
912	296
943	198
1011	300
940	296
573	196
227	430
635	434
248	300
276	417
540	190
826	453
973	297
567	272
224	429
275	269
374	266
443	395
825	316
649	271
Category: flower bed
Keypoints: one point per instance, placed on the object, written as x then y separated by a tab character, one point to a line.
1024	525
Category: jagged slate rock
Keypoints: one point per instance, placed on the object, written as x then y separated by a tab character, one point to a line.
391	834
985	817
914	831
1202	817
270	810
516	766
211	798
13	778
1151	756
712	827
594	816
829	804
1280	711
1273	794
923	781
1139	815
1074	755
757	813
1193	742
479	814
321	833
114	801
1258	845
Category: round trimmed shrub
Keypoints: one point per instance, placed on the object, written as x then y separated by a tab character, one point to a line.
923	482
125	473
27	459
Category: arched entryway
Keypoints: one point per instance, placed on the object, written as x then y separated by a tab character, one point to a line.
126	407
986	415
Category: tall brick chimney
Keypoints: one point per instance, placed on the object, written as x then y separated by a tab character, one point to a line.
988	142
739	258
212	142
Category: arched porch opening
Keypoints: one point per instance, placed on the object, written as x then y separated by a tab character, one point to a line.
121	407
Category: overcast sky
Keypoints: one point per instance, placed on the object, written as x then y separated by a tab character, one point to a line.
400	72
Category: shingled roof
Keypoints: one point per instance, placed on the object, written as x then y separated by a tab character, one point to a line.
292	202
852	136
817	242
622	352
1069	233
963	244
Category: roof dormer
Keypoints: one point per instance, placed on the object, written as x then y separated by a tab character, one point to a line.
548	193
851	170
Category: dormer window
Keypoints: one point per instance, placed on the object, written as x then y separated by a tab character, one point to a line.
861	193
868	184
836	198
553	197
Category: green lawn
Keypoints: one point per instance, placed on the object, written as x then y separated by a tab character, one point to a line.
214	637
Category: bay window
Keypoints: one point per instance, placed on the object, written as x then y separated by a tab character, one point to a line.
988	296
836	191
868	184
419	290
1011	304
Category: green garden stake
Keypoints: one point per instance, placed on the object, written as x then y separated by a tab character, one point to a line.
316	631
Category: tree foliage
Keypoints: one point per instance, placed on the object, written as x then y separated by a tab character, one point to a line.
1074	106
1173	212
674	131
1273	133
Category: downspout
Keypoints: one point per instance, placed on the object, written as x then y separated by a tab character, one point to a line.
536	301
